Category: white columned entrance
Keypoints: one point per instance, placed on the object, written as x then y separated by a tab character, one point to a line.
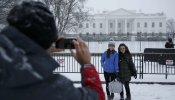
125	31
107	25
135	26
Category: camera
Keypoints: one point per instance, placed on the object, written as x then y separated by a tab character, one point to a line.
65	43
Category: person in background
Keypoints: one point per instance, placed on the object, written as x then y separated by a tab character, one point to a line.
126	69
26	73
109	62
169	44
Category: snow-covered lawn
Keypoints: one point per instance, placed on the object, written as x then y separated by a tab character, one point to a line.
143	91
148	92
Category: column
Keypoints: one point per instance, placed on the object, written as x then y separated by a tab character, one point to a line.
116	26
135	26
107	25
125	26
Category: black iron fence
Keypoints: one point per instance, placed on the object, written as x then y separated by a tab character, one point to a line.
69	64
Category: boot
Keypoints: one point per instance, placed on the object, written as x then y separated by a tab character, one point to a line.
108	97
128	98
112	95
121	97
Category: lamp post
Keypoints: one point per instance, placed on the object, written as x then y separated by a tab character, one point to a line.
88	38
140	41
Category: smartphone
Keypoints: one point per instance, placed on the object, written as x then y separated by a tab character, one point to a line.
65	43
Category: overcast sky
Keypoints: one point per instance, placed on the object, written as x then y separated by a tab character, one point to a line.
146	6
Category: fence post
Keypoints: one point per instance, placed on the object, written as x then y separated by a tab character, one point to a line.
142	64
166	73
140	76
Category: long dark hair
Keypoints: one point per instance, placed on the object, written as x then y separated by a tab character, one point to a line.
126	48
109	52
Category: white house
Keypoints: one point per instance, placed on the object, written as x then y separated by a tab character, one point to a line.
122	21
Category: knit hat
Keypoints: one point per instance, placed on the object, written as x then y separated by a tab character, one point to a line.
35	20
111	43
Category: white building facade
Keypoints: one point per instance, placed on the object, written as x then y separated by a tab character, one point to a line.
123	21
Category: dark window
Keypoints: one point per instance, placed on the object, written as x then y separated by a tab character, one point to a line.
87	25
153	24
111	25
128	25
101	25
93	25
119	25
160	24
138	25
80	26
145	24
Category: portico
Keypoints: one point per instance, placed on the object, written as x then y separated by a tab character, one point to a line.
121	25
122	21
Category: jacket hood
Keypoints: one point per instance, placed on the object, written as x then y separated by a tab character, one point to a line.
36	64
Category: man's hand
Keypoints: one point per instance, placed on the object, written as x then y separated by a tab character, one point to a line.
53	49
82	54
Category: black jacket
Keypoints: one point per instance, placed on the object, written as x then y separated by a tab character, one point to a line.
26	72
169	45
126	67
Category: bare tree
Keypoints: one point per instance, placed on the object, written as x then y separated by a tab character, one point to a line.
5	6
68	14
170	25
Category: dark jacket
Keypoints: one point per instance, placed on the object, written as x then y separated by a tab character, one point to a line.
126	67
27	73
169	45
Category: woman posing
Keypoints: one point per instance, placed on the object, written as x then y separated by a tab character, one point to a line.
109	62
126	69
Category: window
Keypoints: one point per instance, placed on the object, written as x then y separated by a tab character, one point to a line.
93	25
101	25
119	25
128	25
160	24
87	25
80	26
153	24
111	25
145	24
138	25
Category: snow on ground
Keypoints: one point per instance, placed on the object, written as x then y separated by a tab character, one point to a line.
146	78
142	91
148	92
134	46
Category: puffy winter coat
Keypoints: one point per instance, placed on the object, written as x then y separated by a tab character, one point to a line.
169	45
110	64
126	67
26	73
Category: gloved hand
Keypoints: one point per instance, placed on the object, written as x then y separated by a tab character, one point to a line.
117	74
135	75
